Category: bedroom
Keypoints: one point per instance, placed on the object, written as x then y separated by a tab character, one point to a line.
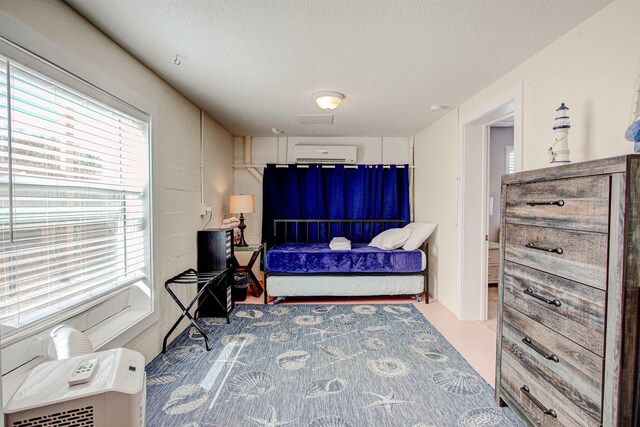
260	77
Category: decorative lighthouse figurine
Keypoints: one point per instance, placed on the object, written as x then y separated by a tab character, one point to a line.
559	152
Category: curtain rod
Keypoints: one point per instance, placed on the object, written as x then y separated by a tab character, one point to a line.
323	166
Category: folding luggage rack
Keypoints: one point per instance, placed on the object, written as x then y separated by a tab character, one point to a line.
208	281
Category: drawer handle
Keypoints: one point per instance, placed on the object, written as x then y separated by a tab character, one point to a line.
525	390
532	245
554	203
527	341
530	292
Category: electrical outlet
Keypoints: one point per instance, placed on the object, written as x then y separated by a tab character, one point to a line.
204	210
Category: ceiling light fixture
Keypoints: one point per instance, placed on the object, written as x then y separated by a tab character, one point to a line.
276	131
328	100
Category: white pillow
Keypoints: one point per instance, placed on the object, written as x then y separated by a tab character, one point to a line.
420	232
392	238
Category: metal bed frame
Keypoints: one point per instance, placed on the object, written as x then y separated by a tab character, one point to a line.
345	229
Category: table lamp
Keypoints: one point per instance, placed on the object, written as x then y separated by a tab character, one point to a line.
242	204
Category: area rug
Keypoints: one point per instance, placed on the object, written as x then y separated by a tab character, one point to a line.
319	366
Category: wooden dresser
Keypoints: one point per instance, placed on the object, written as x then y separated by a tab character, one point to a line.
567	346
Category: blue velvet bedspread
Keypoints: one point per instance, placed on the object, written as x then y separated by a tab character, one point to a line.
318	258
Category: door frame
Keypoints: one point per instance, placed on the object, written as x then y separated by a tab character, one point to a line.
473	195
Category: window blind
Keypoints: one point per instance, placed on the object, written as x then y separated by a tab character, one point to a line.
510	159
73	197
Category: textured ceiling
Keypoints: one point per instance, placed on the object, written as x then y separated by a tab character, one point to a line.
253	65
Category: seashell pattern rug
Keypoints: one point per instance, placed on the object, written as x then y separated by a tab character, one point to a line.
319	366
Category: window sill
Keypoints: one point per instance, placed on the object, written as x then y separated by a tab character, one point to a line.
113	332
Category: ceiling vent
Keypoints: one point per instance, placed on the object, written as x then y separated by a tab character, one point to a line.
325	154
315	119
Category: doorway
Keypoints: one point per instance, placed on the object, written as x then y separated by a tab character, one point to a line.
473	196
500	162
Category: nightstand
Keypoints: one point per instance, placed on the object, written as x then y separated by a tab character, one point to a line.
254	284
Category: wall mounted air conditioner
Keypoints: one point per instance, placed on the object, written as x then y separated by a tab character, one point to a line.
324	154
115	395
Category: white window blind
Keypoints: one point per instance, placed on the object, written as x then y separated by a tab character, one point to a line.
510	159
74	176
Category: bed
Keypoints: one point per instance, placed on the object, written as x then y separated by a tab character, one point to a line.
299	263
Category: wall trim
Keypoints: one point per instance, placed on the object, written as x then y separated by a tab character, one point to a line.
471	254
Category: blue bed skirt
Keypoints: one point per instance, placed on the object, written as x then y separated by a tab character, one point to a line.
318	258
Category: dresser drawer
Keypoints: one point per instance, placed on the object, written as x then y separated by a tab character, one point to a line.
580	315
577	204
576	255
550	357
516	382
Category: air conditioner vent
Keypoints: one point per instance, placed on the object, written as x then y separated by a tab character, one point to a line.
79	417
325	154
319	160
315	119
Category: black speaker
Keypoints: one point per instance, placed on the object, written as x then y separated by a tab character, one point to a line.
215	249
215	253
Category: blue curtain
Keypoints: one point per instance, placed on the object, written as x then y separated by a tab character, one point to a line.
365	192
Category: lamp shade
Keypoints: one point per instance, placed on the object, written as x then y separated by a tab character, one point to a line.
241	203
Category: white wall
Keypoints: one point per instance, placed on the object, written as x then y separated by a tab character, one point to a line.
54	31
436	199
371	150
500	138
592	68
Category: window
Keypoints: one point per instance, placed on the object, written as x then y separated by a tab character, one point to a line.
510	159
74	204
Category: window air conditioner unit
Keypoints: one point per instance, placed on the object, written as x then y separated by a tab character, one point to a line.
113	395
324	154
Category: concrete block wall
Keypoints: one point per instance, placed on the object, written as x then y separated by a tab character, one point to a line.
54	31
